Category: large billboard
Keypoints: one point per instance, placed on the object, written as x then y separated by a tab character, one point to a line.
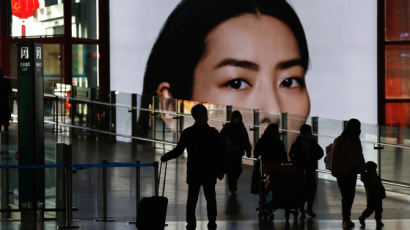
308	58
243	50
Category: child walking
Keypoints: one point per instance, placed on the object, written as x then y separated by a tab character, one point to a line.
375	193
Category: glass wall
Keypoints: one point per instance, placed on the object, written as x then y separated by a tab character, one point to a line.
396	101
85	19
398	72
397	20
52	66
85	61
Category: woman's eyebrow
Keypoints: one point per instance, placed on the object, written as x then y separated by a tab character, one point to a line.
238	63
290	63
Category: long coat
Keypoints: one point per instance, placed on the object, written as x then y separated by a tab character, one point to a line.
305	152
236	140
5	91
206	153
346	157
271	149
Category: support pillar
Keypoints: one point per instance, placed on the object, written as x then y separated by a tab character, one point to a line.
31	130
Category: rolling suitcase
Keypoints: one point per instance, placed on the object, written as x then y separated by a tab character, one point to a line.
152	211
286	183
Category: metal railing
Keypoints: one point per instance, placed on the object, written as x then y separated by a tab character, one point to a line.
68	168
166	136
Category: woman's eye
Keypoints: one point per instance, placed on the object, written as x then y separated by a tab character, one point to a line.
292	82
237	84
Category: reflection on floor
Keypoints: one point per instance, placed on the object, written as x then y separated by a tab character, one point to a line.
233	212
222	225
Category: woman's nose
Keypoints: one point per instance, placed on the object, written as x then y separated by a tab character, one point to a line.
267	100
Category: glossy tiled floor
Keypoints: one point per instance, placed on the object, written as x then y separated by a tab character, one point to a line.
222	225
233	212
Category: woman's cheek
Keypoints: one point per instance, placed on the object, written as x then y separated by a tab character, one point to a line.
295	102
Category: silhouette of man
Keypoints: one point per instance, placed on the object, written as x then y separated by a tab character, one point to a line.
206	162
5	91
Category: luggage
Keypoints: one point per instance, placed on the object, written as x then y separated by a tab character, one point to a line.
152	211
286	184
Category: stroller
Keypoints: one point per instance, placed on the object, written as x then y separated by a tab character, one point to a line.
280	188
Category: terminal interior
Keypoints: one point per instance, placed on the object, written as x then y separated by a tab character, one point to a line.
90	145
84	143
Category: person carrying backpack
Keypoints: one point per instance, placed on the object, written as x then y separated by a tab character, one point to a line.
305	153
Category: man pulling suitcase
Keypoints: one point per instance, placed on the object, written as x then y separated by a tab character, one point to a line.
206	162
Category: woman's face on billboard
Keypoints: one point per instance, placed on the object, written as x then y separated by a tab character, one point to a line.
252	61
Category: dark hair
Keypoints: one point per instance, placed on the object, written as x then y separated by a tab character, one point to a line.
305	130
370	165
181	42
199	111
272	131
352	130
236	114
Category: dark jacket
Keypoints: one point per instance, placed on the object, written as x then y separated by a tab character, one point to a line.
206	153
271	149
5	91
305	152
346	156
373	185
236	140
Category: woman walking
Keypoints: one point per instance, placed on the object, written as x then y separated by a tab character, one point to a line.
270	147
237	143
346	162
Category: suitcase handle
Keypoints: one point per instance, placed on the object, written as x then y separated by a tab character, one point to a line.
165	176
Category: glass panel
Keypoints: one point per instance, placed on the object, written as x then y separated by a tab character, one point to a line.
144	116
123	116
398	114
395	164
398	71
217	115
37	18
85	82
397	20
328	130
9	178
369	136
50	175
395	159
52	77
52	66
80	106
61	108
85	19
86	66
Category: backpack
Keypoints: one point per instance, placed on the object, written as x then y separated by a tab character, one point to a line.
327	157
